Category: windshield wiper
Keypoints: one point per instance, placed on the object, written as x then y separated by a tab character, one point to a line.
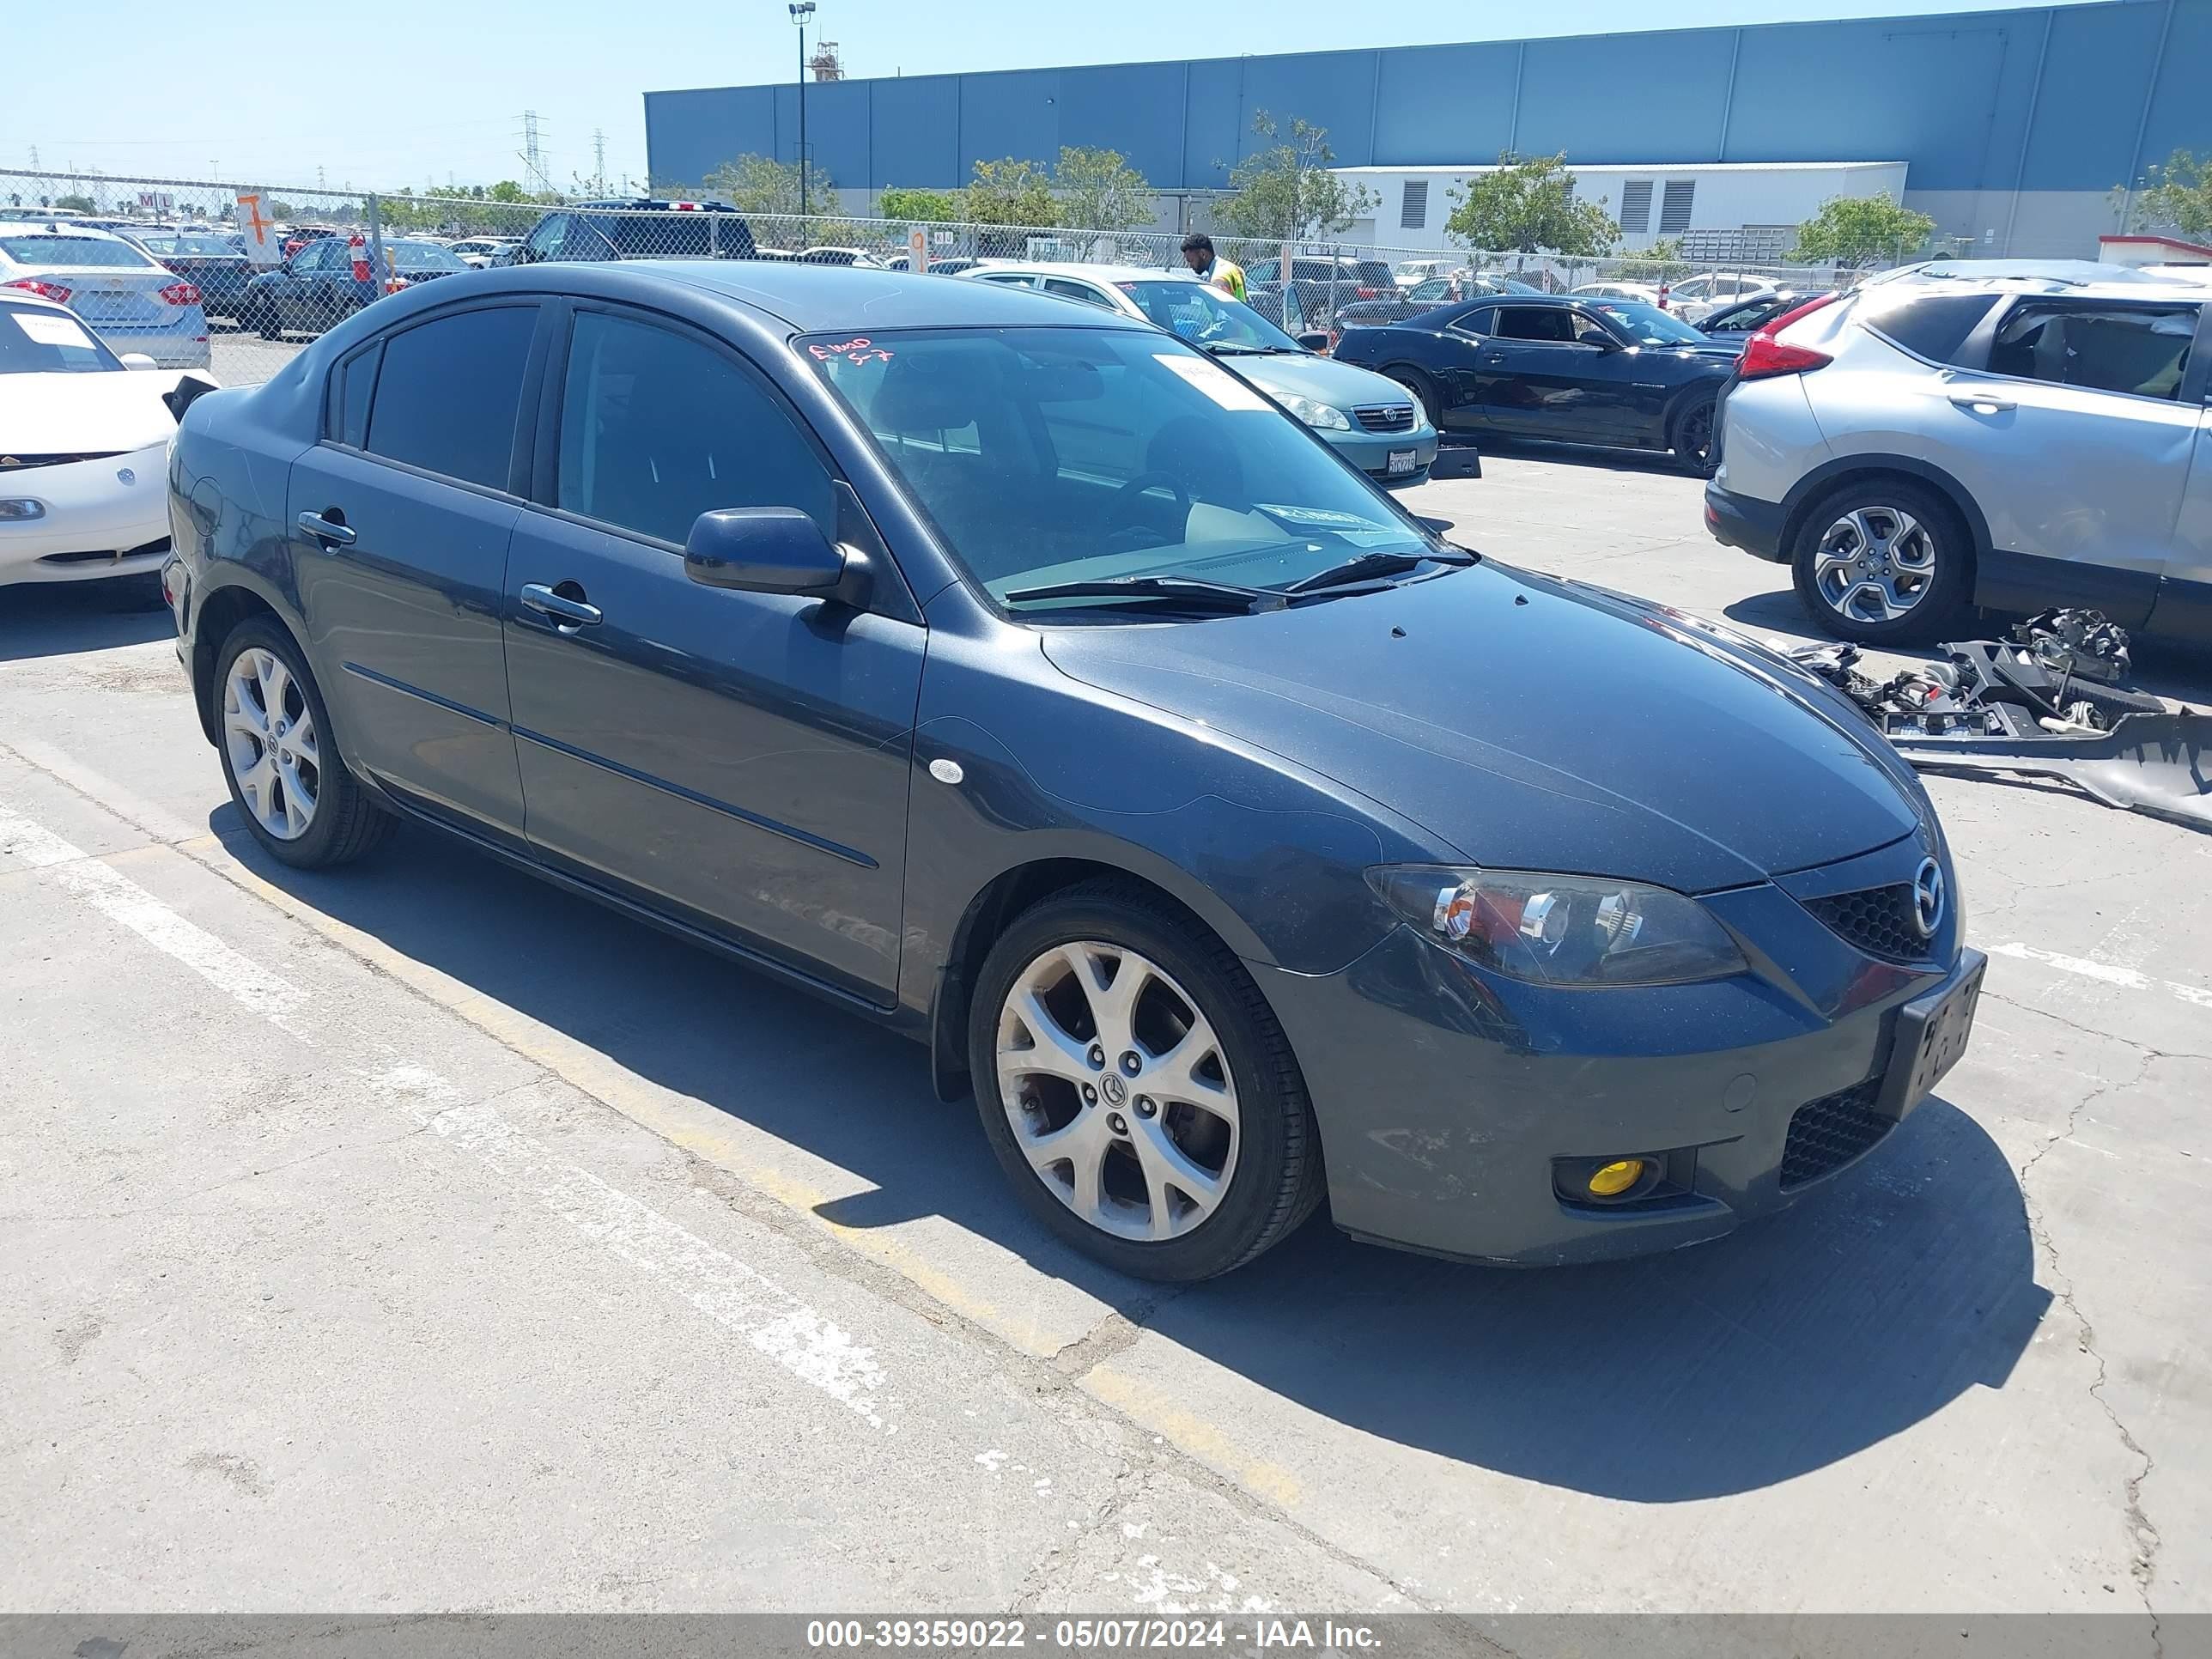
1376	563
1238	348
1227	596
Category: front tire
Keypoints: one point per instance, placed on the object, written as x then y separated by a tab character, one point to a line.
279	758
1883	562
1136	1088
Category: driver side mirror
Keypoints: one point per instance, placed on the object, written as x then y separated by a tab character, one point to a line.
1315	340
772	549
136	360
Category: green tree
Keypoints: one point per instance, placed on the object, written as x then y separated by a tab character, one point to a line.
1098	189
1010	192
756	183
919	206
1529	205
76	200
1858	231
1662	262
2175	193
1287	192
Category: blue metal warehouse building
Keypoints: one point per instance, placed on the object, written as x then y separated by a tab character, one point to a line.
2015	126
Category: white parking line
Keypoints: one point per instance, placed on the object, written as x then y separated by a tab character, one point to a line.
726	1289
120	899
2126	978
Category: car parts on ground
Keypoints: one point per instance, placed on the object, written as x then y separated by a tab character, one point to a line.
2047	702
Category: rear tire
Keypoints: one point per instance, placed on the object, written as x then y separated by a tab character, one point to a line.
1882	562
1252	1129
1424	390
342	822
1691	436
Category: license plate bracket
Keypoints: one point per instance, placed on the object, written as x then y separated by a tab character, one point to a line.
1932	1033
1403	461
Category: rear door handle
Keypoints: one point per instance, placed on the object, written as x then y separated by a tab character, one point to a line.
567	614
1978	404
331	532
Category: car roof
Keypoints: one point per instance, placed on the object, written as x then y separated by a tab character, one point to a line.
64	227
2081	278
1092	272
812	298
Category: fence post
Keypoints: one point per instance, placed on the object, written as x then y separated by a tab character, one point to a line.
376	270
1335	253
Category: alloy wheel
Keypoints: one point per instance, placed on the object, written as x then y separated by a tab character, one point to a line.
268	734
1118	1089
1874	564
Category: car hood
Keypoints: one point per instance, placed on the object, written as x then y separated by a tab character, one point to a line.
1535	724
66	414
1341	385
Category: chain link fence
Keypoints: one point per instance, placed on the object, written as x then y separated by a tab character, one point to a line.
274	266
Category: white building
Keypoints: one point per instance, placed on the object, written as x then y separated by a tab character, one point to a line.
1747	210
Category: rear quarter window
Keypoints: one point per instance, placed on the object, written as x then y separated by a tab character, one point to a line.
1932	326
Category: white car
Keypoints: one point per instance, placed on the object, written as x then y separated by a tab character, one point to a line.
859	257
1641	292
1696	298
84	449
123	293
477	252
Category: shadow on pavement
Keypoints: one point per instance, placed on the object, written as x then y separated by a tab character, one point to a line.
1612	460
57	619
1803	1340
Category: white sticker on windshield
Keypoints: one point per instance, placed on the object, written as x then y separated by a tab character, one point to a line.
1215	381
52	330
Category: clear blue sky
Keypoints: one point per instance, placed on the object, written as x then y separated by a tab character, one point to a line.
399	92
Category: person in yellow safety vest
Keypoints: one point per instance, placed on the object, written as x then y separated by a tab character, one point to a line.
1213	271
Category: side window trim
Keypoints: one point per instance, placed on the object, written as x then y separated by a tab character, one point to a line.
542	491
518	449
334	389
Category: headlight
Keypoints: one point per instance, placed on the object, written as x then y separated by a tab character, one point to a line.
1561	930
21	510
1313	414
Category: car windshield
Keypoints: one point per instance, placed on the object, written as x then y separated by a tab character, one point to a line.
1207	317
72	252
1646	324
185	245
425	256
1053	455
35	340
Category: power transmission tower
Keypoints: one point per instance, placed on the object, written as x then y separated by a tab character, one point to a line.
533	158
598	161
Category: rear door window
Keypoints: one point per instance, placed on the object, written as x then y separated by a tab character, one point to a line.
1071	290
447	396
2140	349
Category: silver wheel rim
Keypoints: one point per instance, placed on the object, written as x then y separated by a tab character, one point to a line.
1874	564
269	733
1118	1090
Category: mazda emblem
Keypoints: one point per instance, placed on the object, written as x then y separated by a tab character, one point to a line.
125	475
1927	898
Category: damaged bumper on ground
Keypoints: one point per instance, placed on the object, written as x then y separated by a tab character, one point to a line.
2046	703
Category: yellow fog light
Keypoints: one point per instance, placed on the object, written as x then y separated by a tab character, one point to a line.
1610	1180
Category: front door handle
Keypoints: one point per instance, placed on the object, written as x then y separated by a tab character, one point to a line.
1978	404
331	532
567	614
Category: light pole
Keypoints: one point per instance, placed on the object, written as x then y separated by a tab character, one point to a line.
799	13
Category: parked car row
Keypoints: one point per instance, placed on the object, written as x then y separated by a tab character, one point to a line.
133	301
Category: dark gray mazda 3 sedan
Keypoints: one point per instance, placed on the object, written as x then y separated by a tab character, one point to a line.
1019	676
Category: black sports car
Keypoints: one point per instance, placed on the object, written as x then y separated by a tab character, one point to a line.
1585	371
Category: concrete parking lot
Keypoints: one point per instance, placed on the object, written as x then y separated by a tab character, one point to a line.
418	1237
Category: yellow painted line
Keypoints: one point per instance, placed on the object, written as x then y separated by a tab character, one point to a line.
1149	1408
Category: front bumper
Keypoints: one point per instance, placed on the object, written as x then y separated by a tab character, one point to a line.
1743	521
96	525
1447	1101
1370	452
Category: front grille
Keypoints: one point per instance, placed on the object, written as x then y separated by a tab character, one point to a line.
1878	920
10	463
1385	417
1827	1134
